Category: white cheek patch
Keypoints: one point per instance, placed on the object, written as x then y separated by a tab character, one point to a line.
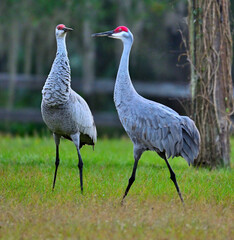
59	32
117	35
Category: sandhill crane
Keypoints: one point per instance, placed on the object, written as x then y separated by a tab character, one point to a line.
66	113
150	125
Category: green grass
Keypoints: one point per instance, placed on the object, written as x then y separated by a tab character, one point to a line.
152	210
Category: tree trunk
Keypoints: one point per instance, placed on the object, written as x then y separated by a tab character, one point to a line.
40	54
88	67
12	62
210	55
137	28
28	51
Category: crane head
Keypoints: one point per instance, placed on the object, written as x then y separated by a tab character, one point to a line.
61	30
120	32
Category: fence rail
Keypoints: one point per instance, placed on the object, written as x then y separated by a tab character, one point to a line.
34	115
100	86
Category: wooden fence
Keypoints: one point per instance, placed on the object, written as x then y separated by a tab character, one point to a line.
100	86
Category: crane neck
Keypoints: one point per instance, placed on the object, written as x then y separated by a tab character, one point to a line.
124	61
124	89
56	90
61	45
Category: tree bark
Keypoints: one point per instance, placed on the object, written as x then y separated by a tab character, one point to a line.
210	55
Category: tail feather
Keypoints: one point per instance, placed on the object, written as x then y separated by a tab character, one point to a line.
191	140
188	143
186	157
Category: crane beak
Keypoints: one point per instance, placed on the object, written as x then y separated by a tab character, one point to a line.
66	29
103	34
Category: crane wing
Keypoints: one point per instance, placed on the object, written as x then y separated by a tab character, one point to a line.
84	118
157	127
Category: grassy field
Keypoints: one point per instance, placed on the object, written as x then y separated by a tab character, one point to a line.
152	210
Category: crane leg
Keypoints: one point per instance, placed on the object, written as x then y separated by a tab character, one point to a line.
173	178
137	155
57	141
76	139
80	166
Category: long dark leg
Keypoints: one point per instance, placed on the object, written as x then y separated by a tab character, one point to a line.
173	178
57	141
76	139
80	166
137	155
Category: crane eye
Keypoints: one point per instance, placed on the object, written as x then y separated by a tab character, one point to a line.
120	29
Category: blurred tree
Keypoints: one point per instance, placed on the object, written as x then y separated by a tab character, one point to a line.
12	48
12	62
88	51
36	42
210	53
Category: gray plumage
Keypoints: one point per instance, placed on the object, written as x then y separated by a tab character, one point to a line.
150	125
66	113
